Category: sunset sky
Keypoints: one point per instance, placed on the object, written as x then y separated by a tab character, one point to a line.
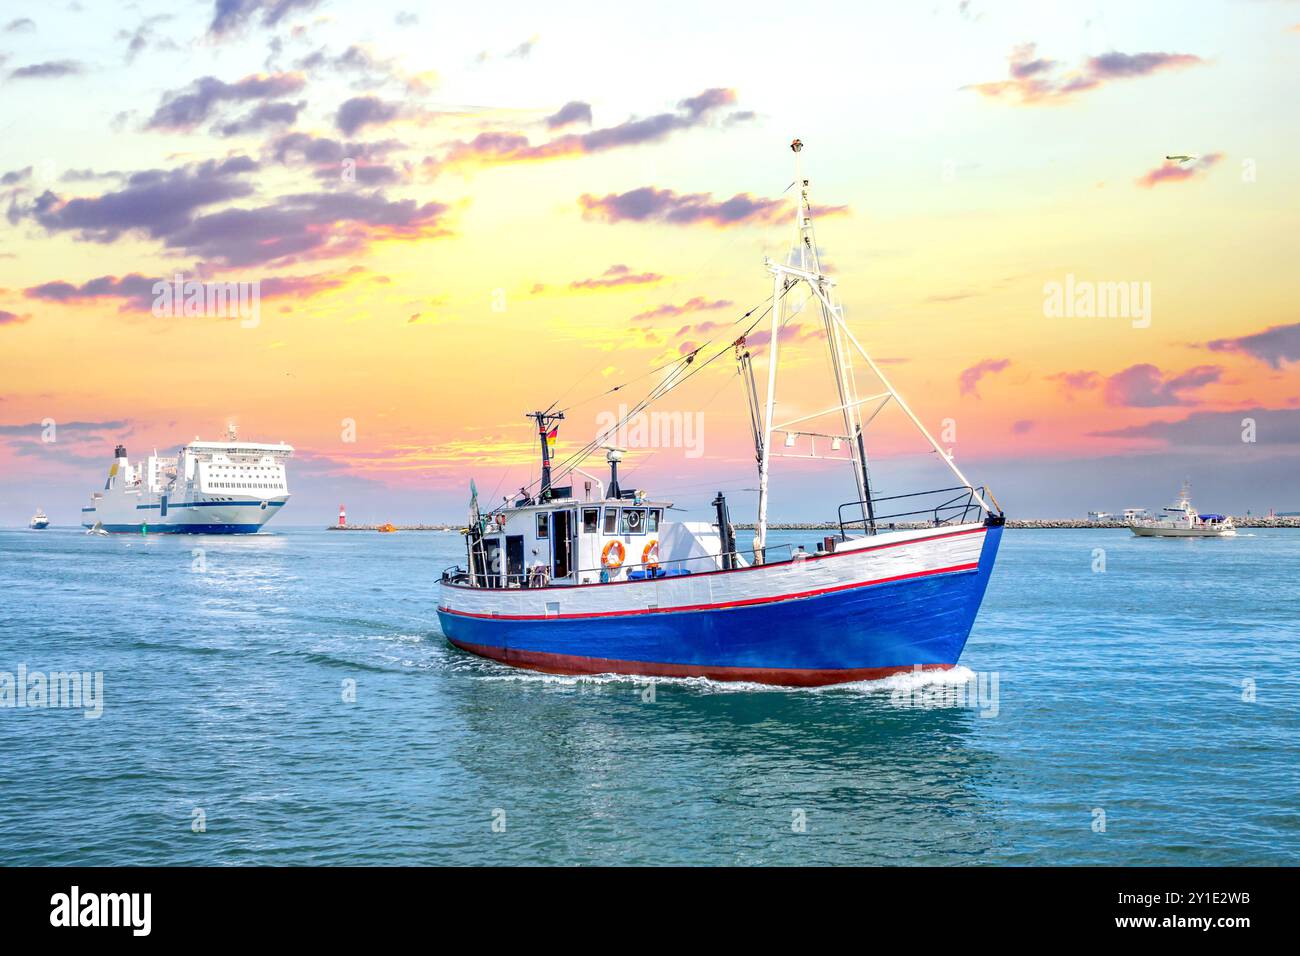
460	213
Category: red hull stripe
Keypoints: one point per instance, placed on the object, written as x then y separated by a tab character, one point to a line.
784	676
712	607
756	567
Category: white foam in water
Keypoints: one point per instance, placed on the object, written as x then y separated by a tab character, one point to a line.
910	681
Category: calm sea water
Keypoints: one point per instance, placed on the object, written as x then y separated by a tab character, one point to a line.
1126	692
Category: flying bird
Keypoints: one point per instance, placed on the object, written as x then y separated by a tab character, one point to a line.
1181	158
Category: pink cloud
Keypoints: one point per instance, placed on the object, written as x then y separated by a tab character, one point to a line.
1175	172
970	378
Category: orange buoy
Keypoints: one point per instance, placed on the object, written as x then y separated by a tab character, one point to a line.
612	556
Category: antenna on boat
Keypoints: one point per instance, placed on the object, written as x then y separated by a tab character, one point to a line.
613	456
803	266
547	431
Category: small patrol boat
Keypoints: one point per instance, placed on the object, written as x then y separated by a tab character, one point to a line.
1180	519
593	577
40	521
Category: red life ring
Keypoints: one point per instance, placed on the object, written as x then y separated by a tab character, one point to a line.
651	563
608	558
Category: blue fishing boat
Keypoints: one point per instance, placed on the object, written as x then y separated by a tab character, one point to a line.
595	578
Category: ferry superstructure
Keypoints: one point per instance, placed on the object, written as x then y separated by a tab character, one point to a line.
208	487
591	577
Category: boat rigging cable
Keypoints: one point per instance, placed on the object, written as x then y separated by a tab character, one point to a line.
680	371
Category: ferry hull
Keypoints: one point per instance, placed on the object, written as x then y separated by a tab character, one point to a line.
197	517
875	613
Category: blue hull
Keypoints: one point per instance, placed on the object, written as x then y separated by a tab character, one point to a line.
854	634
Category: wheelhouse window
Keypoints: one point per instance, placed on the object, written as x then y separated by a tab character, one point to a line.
543	524
590	520
652	521
633	521
611	521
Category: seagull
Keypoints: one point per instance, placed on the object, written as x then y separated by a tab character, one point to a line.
1180	158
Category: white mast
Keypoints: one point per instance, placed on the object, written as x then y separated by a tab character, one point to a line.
805	267
765	455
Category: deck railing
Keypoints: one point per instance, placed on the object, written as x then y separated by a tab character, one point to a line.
776	554
961	508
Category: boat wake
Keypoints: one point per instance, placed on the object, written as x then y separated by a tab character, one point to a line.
907	682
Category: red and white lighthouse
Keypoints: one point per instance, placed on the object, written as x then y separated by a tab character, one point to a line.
343	517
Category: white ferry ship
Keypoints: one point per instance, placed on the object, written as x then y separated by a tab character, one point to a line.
208	487
40	521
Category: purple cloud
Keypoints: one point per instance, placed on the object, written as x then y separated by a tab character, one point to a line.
362	111
649	204
229	15
1276	345
1205	429
136	292
1036	81
275	113
711	99
185	108
1145	386
970	378
306	226
574	111
1124	65
322	150
496	147
50	70
157	202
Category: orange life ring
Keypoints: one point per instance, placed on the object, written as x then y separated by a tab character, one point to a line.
610	548
646	559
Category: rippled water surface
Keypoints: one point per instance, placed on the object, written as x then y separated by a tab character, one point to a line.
1163	693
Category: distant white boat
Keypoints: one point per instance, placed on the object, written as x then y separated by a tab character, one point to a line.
97	528
1180	520
40	520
